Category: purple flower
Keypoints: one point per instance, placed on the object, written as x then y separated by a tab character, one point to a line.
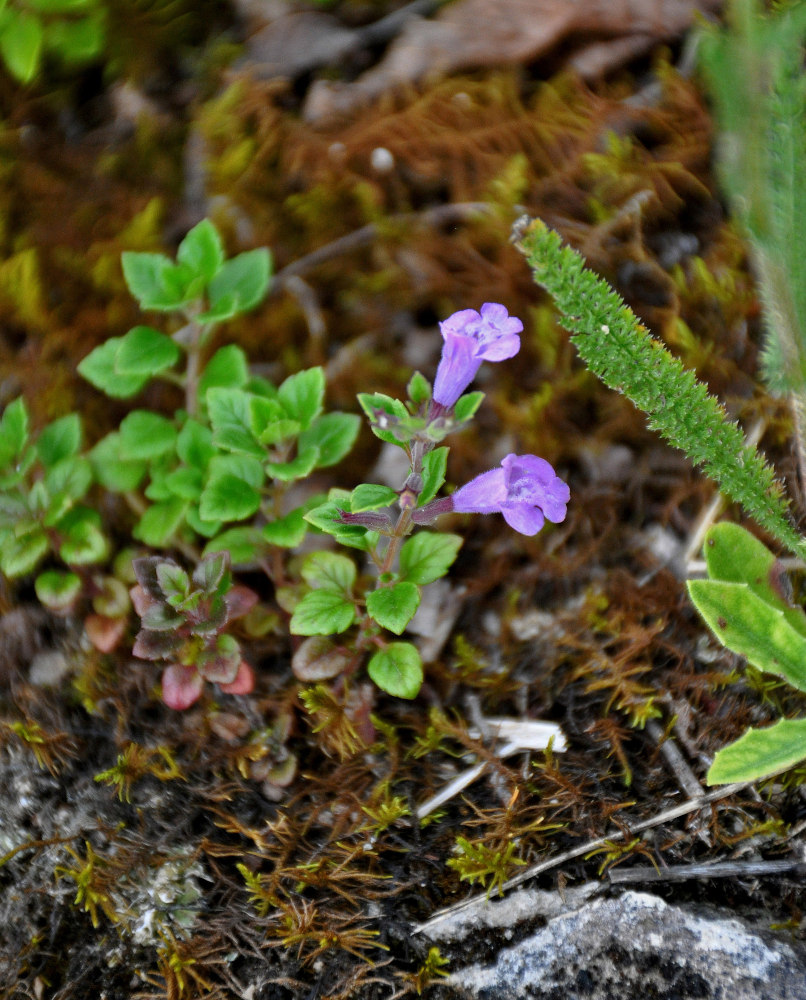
471	338
525	490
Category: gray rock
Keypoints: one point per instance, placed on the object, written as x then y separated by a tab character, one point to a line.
634	945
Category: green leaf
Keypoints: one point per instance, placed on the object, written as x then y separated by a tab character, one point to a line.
466	406
265	413
747	625
98	368
240	284
303	394
435	464
398	670
241	466
146	435
394	607
76	41
112	472
228	498
298	468
207	529
243	545
325	517
174	582
733	555
185	483
231	419
21	45
160	522
13	431
145	276
419	389
322	612
227	369
59	440
384	413
287	532
369	496
194	444
144	351
427	556
57	590
329	571
619	350
70	478
84	542
760	753
333	434
20	555
201	250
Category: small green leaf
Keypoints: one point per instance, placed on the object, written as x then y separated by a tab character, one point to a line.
84	542
201	250
145	275
427	556
322	612
747	625
160	522
240	284
19	555
333	434
228	498
76	41
227	369
369	496
21	45
760	753
302	395
13	431
207	529
434	465
112	472
326	515
59	440
70	478
146	435
231	419
57	590
241	466
298	468
329	571
466	406
398	670
194	444
98	368
174	582
144	351
185	483
394	607
243	545
287	532
419	389
384	413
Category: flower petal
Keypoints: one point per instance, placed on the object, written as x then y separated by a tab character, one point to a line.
483	495
457	367
523	518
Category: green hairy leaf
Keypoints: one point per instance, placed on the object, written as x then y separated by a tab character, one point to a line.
394	607
398	670
427	556
99	368
760	753
620	351
144	351
322	612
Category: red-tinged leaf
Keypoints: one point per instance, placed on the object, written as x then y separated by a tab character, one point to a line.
220	663
181	686
104	633
240	600
155	645
141	600
244	680
145	569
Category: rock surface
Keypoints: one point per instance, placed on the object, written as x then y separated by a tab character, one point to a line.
632	945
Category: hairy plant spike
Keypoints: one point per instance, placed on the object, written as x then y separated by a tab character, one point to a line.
620	351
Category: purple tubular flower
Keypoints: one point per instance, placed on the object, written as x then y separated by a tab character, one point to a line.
525	489
470	338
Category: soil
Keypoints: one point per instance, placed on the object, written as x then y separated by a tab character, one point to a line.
267	845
